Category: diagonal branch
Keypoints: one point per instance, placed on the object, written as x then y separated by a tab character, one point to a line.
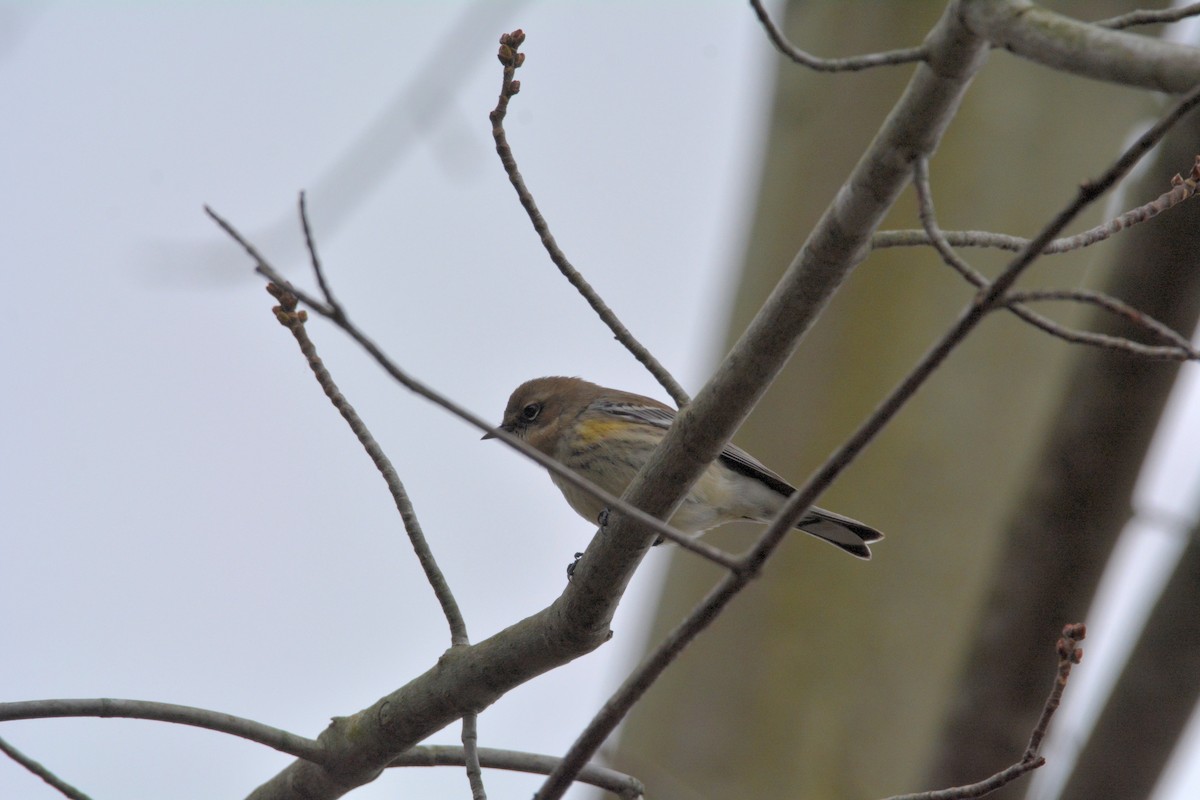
512	59
36	768
294	321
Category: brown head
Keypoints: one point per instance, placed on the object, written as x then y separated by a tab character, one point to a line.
539	410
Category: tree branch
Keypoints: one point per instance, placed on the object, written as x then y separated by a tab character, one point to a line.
1069	654
63	788
1083	48
105	707
1181	189
294	321
470	740
1178	349
1155	17
852	64
610	780
512	60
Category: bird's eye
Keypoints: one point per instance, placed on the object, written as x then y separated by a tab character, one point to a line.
530	412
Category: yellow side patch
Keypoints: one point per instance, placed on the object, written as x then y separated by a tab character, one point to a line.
591	431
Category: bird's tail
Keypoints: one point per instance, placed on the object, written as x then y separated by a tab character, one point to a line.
848	534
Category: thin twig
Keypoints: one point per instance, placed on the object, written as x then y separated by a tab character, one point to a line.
294	320
512	59
1177	343
988	299
315	261
1181	189
620	784
1101	340
276	739
1069	654
63	788
1179	348
928	216
1153	17
614	503
470	740
851	64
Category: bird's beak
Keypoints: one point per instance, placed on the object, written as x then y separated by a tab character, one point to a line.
492	434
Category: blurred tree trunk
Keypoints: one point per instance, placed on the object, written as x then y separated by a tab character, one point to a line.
829	677
1064	530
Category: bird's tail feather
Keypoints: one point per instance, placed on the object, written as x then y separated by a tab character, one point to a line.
848	534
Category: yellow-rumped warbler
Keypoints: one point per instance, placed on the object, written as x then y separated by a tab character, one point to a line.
606	435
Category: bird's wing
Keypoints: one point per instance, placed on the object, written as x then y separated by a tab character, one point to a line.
732	456
659	417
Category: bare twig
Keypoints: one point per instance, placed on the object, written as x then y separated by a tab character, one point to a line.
928	216
470	740
1069	654
294	320
1149	17
274	738
1181	189
512	59
63	788
1179	348
620	784
614	503
1178	345
912	237
1102	340
988	299
851	64
315	261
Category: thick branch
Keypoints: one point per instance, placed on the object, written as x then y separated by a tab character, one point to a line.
1083	48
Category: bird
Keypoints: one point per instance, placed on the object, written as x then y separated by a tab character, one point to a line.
606	435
